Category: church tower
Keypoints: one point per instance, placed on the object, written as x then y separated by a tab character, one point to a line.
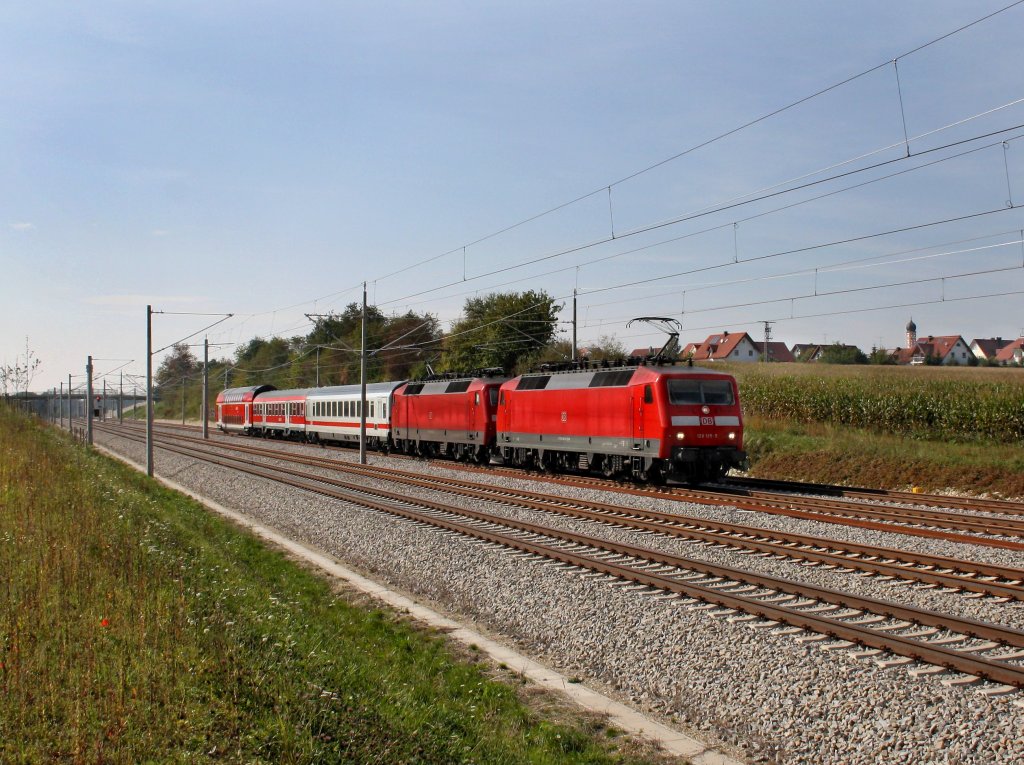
911	334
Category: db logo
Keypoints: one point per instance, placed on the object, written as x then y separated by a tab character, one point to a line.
565	417
707	420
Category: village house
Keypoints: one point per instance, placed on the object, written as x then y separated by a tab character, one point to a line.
1012	353
945	349
726	346
987	348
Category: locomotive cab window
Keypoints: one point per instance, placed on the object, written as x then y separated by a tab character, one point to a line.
717	392
683	392
648	394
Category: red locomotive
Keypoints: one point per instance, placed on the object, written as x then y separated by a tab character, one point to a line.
451	417
648	423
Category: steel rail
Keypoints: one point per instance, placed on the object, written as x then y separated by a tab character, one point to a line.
983	504
785	507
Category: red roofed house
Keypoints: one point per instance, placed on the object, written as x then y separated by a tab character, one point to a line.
778	352
1012	353
987	348
736	346
948	349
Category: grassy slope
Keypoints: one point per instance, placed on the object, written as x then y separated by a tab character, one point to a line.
137	627
841	454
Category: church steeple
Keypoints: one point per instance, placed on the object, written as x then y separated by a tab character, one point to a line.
911	333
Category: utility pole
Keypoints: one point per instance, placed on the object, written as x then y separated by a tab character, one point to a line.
103	409
69	401
318	366
206	387
120	401
182	399
60	407
149	390
362	387
574	324
88	408
767	338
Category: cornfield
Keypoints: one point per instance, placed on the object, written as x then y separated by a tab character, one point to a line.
953	407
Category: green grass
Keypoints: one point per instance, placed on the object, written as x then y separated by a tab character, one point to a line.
830	453
137	627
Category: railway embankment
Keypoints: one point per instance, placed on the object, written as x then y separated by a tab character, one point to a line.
137	626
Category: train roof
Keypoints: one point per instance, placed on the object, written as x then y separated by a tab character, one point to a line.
277	393
602	378
237	395
450	385
372	389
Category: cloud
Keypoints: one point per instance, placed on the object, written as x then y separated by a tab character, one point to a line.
23	226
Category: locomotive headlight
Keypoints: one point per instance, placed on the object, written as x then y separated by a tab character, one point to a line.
732	436
680	435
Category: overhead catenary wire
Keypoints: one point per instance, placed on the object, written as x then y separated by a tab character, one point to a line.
722	226
699	214
702	144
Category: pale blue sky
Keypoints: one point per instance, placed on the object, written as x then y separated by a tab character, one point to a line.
248	157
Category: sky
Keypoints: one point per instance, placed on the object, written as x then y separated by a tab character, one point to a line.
265	159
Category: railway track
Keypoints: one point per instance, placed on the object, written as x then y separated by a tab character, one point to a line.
952	574
991	531
866	625
976	504
768	489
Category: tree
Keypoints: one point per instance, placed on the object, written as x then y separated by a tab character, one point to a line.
15	378
842	354
881	356
606	348
507	330
180	363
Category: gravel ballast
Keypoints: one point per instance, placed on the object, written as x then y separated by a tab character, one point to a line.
771	696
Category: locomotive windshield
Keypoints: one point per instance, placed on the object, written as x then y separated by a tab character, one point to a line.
690	391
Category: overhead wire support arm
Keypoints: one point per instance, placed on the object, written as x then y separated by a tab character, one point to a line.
149	367
903	114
